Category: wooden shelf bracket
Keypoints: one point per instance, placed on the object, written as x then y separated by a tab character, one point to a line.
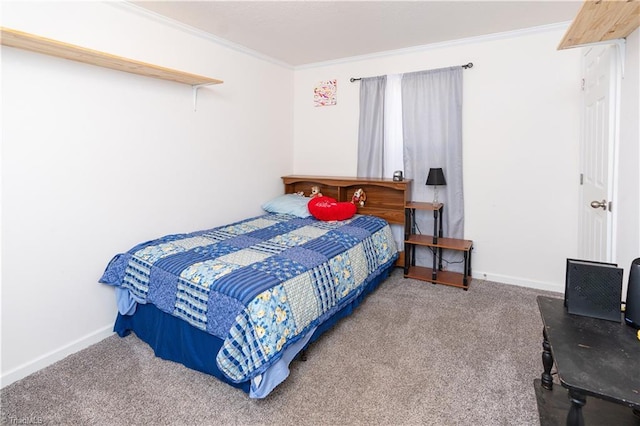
195	88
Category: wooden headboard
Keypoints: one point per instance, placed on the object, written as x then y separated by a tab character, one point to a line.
386	198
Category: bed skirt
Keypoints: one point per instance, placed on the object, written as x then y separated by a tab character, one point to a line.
175	340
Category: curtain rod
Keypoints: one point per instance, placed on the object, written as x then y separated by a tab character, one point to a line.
467	66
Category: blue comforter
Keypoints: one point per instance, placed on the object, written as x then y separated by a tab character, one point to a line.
260	284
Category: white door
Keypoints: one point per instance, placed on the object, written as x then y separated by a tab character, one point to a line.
597	153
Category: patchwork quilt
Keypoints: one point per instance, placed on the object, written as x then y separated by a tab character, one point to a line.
259	284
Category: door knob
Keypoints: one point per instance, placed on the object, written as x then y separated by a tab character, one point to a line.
599	204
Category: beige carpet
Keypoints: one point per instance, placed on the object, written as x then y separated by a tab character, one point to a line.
413	353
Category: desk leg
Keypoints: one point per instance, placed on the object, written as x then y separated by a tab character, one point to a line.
574	418
547	362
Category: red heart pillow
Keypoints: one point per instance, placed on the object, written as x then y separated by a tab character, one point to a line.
327	209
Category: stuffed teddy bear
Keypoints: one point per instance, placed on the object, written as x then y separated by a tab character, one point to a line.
315	192
359	197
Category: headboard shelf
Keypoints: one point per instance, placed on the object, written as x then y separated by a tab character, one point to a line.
341	181
386	198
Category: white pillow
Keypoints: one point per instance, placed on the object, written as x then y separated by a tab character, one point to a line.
293	204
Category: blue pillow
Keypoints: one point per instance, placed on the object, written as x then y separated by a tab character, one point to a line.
293	204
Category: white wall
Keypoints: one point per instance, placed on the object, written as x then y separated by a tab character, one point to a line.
521	118
95	161
627	203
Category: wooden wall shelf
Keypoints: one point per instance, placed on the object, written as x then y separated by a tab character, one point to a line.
26	41
602	21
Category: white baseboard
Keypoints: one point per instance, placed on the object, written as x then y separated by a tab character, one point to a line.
506	279
47	359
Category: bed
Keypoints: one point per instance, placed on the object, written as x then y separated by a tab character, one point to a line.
240	301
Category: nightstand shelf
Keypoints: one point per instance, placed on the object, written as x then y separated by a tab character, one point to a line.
436	243
423	273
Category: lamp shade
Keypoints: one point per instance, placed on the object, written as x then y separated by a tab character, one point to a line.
436	177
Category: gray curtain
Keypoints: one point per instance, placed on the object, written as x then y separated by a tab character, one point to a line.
371	127
432	126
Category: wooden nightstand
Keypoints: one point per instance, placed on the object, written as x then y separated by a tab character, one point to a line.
437	243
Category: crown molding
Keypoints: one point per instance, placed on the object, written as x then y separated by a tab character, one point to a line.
125	5
444	44
130	7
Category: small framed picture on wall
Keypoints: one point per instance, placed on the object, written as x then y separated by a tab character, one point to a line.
324	93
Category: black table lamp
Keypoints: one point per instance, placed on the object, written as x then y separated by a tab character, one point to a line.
435	178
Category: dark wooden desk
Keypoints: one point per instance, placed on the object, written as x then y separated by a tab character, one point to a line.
593	357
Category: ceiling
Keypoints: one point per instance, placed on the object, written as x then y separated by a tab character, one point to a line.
306	31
